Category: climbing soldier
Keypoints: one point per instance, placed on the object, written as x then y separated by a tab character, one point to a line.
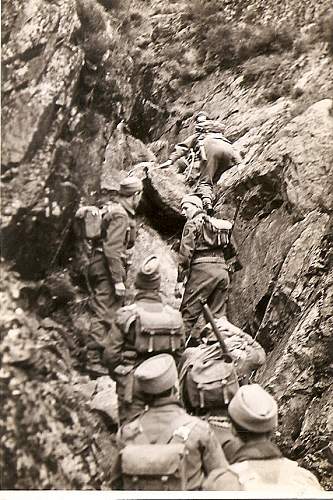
202	264
257	463
110	232
141	330
216	155
164	448
207	379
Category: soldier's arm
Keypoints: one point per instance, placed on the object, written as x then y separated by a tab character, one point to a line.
183	148
114	245
222	480
186	249
212	454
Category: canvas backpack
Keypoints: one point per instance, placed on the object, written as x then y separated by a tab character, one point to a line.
279	475
160	466
210	127
91	222
216	232
211	380
158	328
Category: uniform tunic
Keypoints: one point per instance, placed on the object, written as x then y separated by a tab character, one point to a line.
165	414
122	358
207	274
108	266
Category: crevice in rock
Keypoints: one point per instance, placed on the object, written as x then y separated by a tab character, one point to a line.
161	216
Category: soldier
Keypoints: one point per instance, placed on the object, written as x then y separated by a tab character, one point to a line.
216	155
164	448
202	262
108	258
141	330
257	463
218	376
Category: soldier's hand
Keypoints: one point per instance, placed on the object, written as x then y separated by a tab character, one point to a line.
120	289
179	288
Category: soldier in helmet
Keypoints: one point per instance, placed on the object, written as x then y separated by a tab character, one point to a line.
257	463
108	260
141	330
202	263
216	155
164	448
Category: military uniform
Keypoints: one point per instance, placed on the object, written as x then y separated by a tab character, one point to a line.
257	463
247	355
163	416
206	271
106	261
121	354
216	156
108	264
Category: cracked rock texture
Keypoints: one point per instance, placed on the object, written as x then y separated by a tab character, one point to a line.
88	97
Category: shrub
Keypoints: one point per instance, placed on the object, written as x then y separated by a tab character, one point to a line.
91	16
327	29
231	45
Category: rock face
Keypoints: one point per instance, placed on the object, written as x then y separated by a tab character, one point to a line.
88	94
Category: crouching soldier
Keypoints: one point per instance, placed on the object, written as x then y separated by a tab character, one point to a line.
208	382
215	151
109	233
164	448
257	464
141	330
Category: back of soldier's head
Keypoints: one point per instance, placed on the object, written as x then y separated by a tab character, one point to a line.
148	276
253	411
129	186
156	376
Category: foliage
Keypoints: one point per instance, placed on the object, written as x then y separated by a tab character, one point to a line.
327	29
96	41
91	16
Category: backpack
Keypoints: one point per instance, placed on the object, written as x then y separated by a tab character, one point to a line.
216	232
91	225
157	467
158	328
211	381
278	476
210	126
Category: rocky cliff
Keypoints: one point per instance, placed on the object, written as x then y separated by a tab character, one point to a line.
72	71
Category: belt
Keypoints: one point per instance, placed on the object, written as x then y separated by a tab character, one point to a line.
210	252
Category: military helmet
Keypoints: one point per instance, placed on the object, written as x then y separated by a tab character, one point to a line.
201	116
148	276
253	409
130	185
157	374
193	200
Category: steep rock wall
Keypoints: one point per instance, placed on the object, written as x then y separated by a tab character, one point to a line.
61	144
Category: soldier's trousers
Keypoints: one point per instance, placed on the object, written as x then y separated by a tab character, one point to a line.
103	301
220	157
207	281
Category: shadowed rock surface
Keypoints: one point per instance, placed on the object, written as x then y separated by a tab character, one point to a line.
72	72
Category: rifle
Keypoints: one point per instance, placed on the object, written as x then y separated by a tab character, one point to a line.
210	319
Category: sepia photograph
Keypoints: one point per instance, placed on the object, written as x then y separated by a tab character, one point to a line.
166	302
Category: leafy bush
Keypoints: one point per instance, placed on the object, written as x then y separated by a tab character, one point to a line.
327	29
91	16
96	41
230	45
